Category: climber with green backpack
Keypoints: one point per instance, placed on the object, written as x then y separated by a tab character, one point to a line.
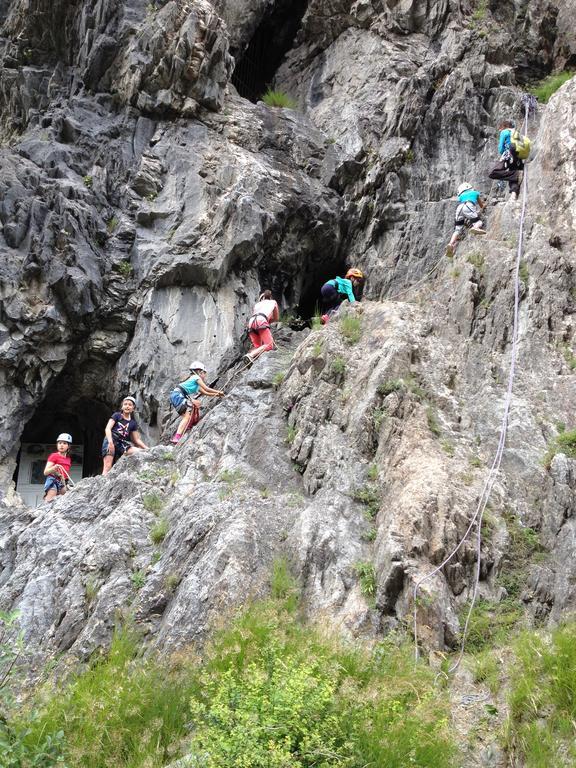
513	149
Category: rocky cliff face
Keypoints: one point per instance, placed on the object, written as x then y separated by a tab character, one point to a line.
143	204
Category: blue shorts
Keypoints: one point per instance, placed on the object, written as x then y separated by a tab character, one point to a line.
178	400
120	448
53	484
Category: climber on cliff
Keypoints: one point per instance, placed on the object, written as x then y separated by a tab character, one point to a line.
57	469
335	291
470	205
122	435
183	398
513	150
265	312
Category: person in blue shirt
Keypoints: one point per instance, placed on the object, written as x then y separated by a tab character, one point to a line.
470	205
183	398
335	291
509	166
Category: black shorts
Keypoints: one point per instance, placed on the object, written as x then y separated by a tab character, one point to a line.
120	448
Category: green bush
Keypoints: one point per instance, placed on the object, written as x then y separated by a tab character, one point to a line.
370	497
278	99
542	700
153	502
547	87
389	386
367	576
491	623
338	366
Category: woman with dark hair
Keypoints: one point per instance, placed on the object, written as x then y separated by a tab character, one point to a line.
265	312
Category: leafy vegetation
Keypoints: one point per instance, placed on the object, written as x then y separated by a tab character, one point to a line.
270	692
565	443
389	386
367	576
491	623
433	424
351	328
123	268
569	357
278	379
279	99
542	700
153	502
338	366
158	531
370	497
547	87
291	433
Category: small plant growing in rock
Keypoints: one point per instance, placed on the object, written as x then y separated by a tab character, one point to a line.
409	156
372	472
156	555
351	328
278	379
231	476
565	443
123	268
367	577
432	420
475	461
88	182
447	447
569	357
317	348
316	323
389	386
112	224
455	273
378	418
138	579
338	366
370	497
171	582
370	535
477	261
158	531
480	11
91	590
523	272
153	502
291	433
264	493
274	98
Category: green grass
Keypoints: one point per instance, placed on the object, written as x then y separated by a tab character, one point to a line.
351	328
112	224
547	87
123	268
367	577
279	99
542	700
338	366
372	472
486	669
270	691
565	443
153	502
491	623
477	261
138	579
316	323
378	418
231	476
432	420
389	386
569	357
278	379
447	447
88	181
370	497
158	531
480	11
291	433
317	348
523	272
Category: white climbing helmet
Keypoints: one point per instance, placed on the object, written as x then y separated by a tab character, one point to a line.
64	437
464	187
197	365
129	397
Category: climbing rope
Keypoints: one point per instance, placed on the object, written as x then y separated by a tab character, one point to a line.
529	107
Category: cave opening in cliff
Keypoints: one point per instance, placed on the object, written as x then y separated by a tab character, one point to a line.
273	38
310	303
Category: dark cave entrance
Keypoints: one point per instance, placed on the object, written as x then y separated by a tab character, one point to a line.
310	302
73	403
273	38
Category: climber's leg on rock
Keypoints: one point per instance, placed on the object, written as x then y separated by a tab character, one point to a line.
52	488
111	452
191	411
261	338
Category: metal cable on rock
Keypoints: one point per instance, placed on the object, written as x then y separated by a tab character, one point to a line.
491	479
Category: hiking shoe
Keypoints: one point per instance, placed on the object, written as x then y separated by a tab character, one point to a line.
450	250
324	319
247	360
175	439
477	230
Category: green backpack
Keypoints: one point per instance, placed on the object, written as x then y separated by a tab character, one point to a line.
521	145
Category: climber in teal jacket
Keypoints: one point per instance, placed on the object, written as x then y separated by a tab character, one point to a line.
335	291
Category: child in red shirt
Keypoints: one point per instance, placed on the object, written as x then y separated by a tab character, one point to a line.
57	469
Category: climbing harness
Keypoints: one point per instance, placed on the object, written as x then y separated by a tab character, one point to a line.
529	107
